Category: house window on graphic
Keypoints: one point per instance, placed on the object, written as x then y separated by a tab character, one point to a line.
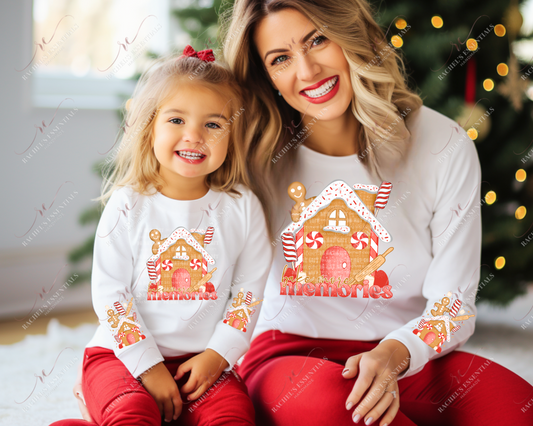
181	253
337	218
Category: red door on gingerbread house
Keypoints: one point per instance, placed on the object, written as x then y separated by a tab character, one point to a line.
181	279
335	263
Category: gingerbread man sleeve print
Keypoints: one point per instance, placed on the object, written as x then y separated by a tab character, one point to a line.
233	333
112	277
452	278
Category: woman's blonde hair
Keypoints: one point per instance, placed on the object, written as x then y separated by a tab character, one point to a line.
380	100
134	164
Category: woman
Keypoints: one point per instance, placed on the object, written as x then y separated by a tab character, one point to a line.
329	104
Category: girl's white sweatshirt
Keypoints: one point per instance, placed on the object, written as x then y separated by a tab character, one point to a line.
149	253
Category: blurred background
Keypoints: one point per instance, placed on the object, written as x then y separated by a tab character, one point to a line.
66	70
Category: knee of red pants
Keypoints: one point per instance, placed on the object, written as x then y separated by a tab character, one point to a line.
225	403
131	408
300	390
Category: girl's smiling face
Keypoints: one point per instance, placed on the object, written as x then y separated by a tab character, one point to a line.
310	71
191	132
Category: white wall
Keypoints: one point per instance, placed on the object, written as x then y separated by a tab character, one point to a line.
25	270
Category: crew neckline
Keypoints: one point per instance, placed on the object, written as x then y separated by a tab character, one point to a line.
208	197
310	154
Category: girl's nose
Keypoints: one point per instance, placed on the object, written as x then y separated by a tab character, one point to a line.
192	134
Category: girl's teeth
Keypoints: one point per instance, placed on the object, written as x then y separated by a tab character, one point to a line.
190	155
322	90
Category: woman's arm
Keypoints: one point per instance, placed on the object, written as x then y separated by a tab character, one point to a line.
455	268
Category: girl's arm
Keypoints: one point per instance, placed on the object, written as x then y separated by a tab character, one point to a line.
250	274
111	285
116	307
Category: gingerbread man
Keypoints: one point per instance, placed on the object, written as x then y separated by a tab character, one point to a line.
441	307
112	318
155	236
238	300
297	193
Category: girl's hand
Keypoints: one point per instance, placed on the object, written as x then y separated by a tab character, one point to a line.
205	370
79	395
378	370
159	383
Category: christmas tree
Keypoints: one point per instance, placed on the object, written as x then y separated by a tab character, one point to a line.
460	58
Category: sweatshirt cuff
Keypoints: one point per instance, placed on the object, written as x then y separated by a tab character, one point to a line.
227	342
140	356
418	350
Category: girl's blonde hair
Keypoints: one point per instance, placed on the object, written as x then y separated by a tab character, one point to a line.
135	163
380	94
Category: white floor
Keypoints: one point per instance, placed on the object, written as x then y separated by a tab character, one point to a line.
41	369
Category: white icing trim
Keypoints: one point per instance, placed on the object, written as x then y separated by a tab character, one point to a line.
341	229
179	233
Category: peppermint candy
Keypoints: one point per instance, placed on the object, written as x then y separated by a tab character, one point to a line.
314	240
359	240
195	264
166	265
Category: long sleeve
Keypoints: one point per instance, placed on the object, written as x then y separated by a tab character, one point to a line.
250	274
112	278
456	250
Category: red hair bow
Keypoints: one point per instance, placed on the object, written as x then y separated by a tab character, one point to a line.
205	55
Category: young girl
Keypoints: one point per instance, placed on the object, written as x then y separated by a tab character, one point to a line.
181	256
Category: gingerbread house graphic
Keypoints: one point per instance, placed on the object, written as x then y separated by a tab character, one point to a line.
439	329
128	333
337	234
180	261
240	312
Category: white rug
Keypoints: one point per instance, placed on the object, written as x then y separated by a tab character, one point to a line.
26	400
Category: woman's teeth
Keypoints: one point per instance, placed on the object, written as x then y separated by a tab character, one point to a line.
190	155
322	90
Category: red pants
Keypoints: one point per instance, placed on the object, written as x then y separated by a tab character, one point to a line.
115	398
291	384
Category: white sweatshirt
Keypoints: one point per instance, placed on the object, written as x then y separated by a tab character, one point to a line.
433	220
152	251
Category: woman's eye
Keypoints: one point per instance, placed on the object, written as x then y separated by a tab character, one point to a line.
279	60
176	120
213	126
319	40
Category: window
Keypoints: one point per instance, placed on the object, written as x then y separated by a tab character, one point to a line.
91	51
181	253
337	218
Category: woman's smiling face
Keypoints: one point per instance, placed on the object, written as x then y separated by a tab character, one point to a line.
310	71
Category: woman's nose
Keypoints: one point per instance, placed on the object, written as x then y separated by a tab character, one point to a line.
307	68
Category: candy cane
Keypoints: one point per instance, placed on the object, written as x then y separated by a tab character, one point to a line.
455	308
209	235
120	309
383	195
300	247
289	247
248	297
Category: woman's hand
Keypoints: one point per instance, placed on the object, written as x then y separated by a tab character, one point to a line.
205	370
79	395
378	370
159	383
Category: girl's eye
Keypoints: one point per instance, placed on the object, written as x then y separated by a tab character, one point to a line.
279	60
176	120
213	126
